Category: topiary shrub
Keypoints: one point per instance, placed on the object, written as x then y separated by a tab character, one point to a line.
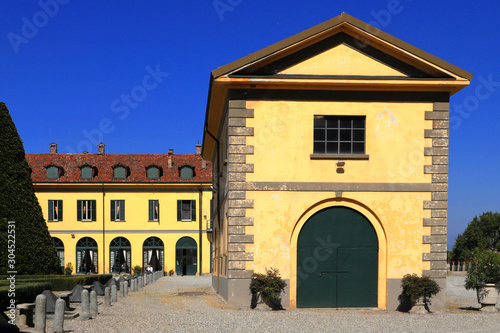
34	252
137	269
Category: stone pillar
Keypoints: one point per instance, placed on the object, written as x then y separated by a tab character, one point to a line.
114	297
93	303
438	205
57	326
125	289
85	311
40	308
122	290
107	296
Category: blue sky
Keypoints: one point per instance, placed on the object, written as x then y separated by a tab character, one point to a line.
67	67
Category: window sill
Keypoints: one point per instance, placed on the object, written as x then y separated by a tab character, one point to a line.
118	221
153	220
339	157
187	221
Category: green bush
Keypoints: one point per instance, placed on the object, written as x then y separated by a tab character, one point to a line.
268	286
24	293
64	282
34	250
137	269
485	269
415	286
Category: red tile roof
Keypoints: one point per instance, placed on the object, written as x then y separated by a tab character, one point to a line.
136	163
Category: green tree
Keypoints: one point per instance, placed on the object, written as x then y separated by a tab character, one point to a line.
34	251
481	233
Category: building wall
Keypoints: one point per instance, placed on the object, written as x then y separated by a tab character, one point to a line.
275	185
136	227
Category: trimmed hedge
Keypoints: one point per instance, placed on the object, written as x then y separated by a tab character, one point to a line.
60	282
24	293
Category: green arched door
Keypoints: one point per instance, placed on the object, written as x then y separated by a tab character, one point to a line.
337	260
185	256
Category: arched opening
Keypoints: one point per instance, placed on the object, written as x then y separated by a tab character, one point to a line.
337	260
86	255
186	256
60	250
119	255
153	254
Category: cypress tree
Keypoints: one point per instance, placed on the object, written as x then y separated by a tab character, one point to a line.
34	251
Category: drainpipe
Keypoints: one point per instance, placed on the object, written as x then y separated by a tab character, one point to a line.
103	233
217	250
200	200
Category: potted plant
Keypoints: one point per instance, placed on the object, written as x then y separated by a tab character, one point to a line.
483	275
268	287
419	289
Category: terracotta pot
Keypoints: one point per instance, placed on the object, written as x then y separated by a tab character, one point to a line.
487	296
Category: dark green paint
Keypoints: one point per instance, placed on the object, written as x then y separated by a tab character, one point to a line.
337	260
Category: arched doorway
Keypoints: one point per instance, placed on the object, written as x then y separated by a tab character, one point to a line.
186	256
337	260
153	253
119	255
60	250
86	255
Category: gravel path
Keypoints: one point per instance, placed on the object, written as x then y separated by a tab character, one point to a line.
159	308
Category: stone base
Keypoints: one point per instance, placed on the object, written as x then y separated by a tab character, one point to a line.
236	291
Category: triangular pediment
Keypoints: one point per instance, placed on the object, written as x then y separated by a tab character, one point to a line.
339	54
345	61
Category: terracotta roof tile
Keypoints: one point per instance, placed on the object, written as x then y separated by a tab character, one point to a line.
137	164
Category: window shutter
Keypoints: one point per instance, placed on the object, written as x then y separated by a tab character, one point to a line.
78	210
151	208
60	210
193	210
93	211
157	203
179	210
112	210
122	211
51	210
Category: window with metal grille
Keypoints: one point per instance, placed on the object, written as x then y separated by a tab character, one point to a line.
339	134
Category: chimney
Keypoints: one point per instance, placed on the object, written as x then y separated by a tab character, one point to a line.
53	148
100	150
198	149
170	154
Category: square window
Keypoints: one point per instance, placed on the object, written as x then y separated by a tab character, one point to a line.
344	135
186	210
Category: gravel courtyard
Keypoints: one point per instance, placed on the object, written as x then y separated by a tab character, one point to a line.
162	307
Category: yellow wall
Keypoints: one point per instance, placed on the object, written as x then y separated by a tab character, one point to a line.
136	227
283	143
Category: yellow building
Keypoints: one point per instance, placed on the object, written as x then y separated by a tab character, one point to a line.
330	163
108	213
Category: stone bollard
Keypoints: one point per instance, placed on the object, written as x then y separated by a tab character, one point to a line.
93	303
107	296
125	288
136	284
114	292
58	323
132	285
40	308
85	312
122	290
